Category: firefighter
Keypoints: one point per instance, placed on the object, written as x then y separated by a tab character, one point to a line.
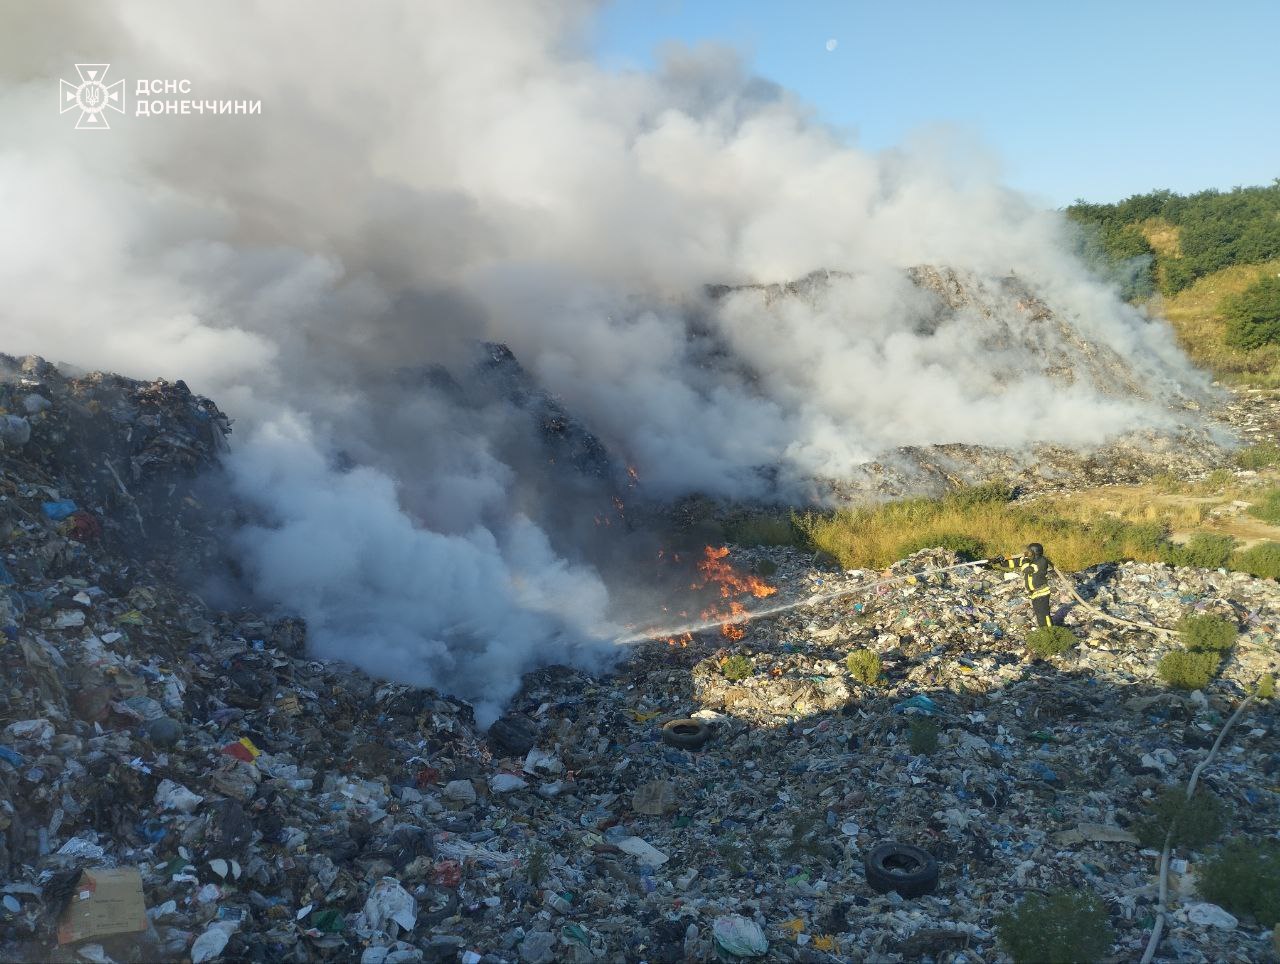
1035	569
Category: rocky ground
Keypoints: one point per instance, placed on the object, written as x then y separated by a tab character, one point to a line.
277	808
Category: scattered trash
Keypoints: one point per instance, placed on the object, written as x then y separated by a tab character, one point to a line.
1211	915
58	510
391	903
212	942
506	783
15	431
739	936
654	798
266	805
104	902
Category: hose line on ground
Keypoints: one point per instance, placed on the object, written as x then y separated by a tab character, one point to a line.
1107	617
1158	929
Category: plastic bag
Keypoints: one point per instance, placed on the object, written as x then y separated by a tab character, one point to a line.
739	936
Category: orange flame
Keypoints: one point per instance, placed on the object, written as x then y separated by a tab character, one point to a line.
718	573
729	580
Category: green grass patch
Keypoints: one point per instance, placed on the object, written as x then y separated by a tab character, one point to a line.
1208	632
1267	508
1060	927
1264	455
1244	877
1204	550
1198	317
1253	315
1195	823
1050	640
1189	669
864	666
737	667
974	496
1266	687
1261	560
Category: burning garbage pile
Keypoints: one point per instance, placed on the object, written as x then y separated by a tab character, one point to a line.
729	583
219	795
720	591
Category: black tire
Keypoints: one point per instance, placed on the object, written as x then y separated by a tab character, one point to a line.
685	734
910	871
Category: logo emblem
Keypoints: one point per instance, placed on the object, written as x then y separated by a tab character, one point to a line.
92	96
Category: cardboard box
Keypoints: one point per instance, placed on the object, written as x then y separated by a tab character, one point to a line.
106	901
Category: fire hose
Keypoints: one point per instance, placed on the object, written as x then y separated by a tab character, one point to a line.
1107	617
864	587
784	607
1158	928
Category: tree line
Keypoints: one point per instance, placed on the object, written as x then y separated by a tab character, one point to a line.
1215	229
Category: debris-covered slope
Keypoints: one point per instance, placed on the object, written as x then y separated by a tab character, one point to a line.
1008	340
269	807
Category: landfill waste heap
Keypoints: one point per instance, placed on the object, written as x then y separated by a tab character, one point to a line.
179	783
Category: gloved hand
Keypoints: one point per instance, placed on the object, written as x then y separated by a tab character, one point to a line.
995	562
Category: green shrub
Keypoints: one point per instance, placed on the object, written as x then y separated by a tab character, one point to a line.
538	864
1253	316
1208	633
762	530
1244	877
989	493
864	666
924	735
1195	822
1261	456
1217	479
1262	560
1266	687
1050	640
737	667
1205	550
1060	927
1118	539
1189	669
1268	507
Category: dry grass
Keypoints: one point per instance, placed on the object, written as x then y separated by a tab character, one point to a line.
1197	319
1137	505
874	537
1162	236
1078	530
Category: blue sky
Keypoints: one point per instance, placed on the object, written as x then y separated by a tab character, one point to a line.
1089	98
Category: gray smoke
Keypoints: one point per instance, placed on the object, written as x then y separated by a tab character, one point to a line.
428	175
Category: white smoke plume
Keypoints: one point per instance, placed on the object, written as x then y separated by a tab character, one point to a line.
426	175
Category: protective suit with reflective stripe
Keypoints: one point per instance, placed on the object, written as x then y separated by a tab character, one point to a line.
1034	568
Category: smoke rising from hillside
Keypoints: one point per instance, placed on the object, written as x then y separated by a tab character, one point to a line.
427	175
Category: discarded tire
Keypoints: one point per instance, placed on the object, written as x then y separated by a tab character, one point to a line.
910	871
685	734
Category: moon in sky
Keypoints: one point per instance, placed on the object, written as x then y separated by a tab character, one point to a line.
832	44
